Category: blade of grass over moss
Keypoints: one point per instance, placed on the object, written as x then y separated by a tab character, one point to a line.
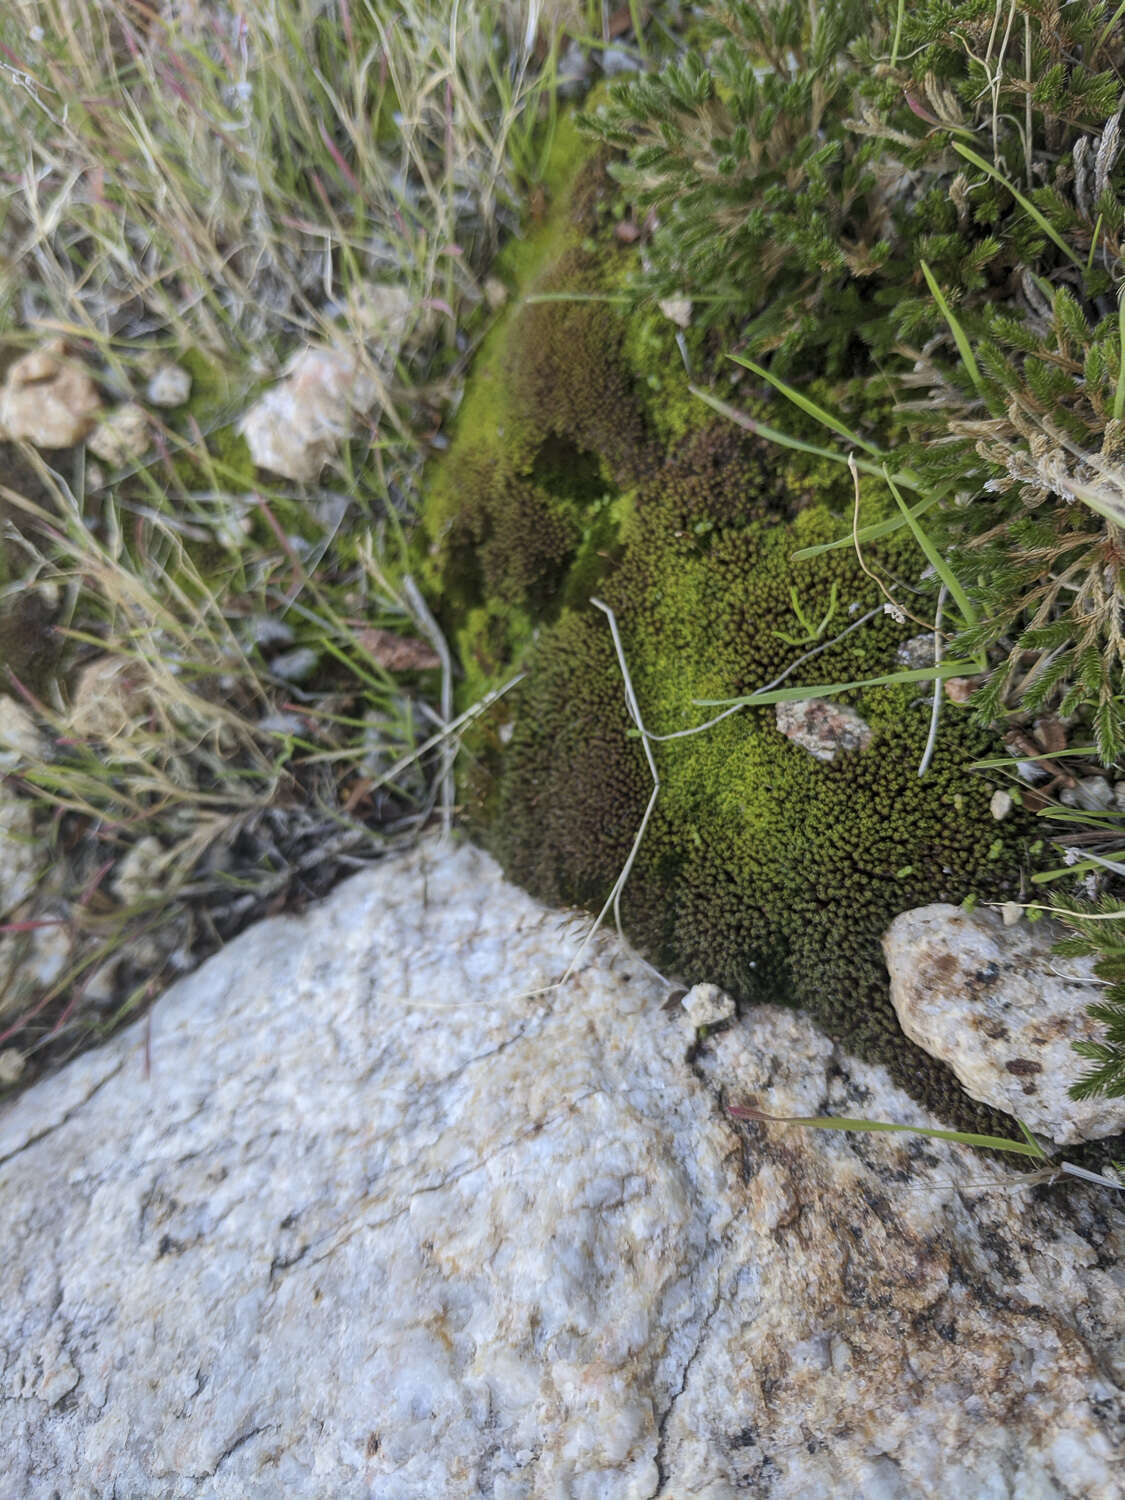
934	557
619	297
763	429
1025	203
963	347
830	689
870	533
808	406
1002	762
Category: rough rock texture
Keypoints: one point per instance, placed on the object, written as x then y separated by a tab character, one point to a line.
122	437
299	424
20	860
822	727
168	385
33	951
48	399
708	1005
20	740
1002	1010
361	1214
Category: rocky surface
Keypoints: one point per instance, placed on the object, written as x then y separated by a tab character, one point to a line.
121	437
363	1210
48	398
34	947
300	423
168	386
822	727
992	1000
20	739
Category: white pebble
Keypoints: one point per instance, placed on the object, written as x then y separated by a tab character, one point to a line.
707	1005
170	385
1001	805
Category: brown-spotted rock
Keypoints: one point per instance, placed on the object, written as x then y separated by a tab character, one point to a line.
366	1209
823	727
994	1002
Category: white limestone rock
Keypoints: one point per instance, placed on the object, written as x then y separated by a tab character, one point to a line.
677	310
20	739
708	1005
12	1064
823	727
106	700
363	1211
122	437
31	956
991	999
48	398
168	386
298	425
20	860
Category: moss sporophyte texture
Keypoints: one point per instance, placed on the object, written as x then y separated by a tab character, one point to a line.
580	466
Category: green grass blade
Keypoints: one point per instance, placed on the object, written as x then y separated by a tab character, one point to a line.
1031	1141
775	435
869	533
837	1122
959	338
830	689
1025	203
934	557
808	406
1006	762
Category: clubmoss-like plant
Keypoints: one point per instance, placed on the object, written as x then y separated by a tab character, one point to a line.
929	198
1098	932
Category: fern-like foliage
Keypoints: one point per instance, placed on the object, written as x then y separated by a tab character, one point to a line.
1104	940
803	162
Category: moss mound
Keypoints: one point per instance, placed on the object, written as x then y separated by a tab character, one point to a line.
763	868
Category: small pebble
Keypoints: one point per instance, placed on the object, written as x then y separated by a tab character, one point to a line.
1010	912
170	385
1093	794
12	1063
707	1005
960	689
122	437
677	310
1031	771
615	61
1001	805
917	652
495	293
267	632
280	724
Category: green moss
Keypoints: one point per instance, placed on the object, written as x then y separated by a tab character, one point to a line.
549	431
763	869
580	465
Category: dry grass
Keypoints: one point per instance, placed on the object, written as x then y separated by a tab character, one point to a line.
221	727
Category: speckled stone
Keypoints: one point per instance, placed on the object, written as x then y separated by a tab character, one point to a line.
364	1211
823	728
48	398
991	998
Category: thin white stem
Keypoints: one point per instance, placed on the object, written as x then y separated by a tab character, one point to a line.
935	711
